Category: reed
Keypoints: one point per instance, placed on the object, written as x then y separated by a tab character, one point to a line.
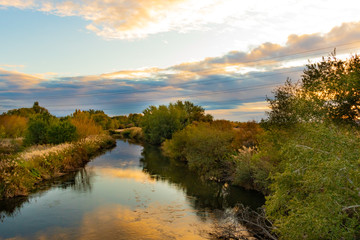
20	173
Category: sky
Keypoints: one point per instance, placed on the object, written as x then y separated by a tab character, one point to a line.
122	56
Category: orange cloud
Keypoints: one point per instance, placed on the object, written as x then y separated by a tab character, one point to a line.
246	108
132	174
20	80
273	55
119	222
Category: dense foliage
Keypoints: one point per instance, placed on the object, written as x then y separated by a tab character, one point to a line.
210	148
327	91
85	125
19	173
312	144
315	193
206	148
132	120
159	123
100	118
12	126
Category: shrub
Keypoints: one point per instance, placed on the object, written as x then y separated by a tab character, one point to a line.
60	132
315	194
37	130
252	171
206	148
160	123
85	126
12	126
246	134
19	173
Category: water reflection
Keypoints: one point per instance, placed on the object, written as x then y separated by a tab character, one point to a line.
79	181
202	194
130	192
118	222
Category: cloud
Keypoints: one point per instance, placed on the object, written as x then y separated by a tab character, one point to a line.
17	3
129	19
230	86
131	174
134	19
247	111
114	221
272	55
17	80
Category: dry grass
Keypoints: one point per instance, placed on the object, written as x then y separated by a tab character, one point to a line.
20	172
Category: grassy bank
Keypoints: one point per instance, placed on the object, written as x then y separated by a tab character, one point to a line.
132	133
19	173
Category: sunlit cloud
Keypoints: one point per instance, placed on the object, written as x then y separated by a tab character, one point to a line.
16	3
13	80
232	86
157	221
271	55
252	109
134	19
129	173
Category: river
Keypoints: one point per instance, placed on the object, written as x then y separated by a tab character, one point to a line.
129	192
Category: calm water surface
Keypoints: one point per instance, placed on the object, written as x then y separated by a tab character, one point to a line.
129	192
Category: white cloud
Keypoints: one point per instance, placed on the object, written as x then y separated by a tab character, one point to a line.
131	19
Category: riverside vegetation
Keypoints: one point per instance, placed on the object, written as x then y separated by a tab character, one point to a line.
36	146
304	156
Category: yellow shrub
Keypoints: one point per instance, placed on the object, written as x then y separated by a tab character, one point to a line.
12	126
85	126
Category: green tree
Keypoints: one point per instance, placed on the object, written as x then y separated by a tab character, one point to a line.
327	91
60	132
159	123
37	132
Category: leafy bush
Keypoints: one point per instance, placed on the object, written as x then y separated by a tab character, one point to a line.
46	129
315	194
37	132
60	132
134	133
252	171
12	126
206	148
327	91
85	126
160	123
246	134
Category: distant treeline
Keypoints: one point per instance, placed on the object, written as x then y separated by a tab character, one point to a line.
37	126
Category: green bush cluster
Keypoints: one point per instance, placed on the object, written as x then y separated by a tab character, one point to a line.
46	129
315	191
132	120
134	133
251	170
160	123
312	142
208	148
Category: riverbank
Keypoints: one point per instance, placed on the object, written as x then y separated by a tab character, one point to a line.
19	173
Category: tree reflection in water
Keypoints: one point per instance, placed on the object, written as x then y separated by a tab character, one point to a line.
202	195
80	181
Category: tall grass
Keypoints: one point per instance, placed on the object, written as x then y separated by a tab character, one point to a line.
85	126
19	173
